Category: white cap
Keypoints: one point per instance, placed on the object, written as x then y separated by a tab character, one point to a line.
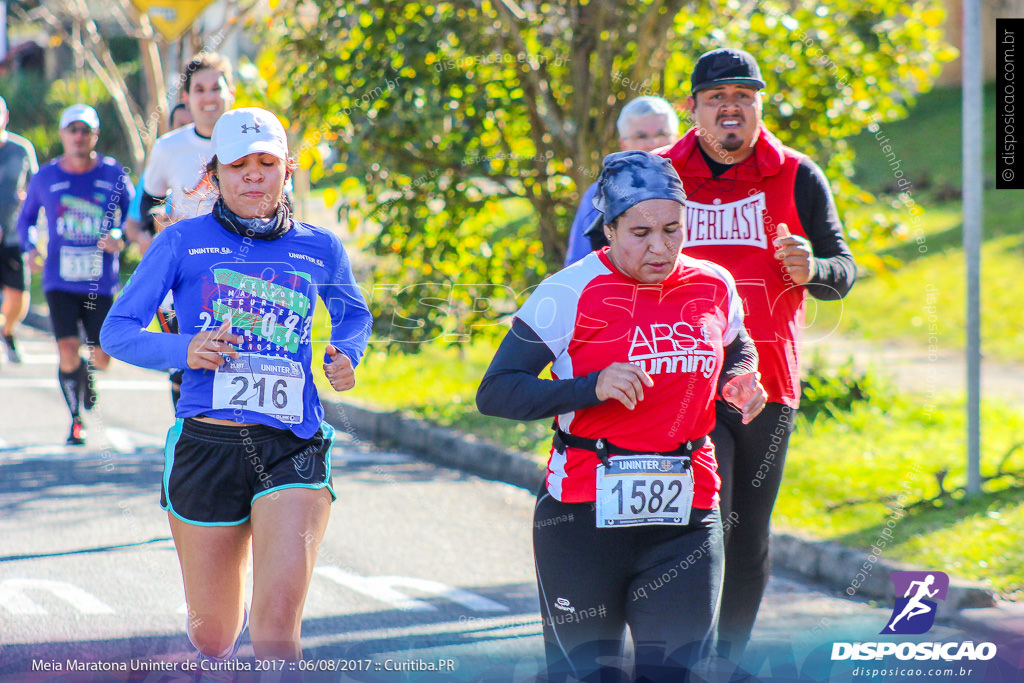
248	130
80	112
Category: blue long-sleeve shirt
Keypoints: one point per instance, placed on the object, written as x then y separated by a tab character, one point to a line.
268	289
579	244
80	209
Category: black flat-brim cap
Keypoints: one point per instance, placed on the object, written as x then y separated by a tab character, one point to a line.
725	65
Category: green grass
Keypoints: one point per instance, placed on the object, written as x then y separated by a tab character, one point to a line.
927	144
439	384
899	306
889	306
879	447
839	470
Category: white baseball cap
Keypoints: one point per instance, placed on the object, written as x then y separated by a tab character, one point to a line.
80	112
248	130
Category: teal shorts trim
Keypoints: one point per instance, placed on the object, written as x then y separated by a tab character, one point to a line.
214	473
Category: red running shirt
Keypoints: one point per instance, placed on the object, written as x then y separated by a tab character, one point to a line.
732	220
590	315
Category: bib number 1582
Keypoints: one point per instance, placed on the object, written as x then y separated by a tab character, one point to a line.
638	490
652	496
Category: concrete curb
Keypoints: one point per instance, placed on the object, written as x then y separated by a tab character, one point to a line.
858	574
851	572
436	444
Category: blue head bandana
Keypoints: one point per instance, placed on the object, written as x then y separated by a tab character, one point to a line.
629	178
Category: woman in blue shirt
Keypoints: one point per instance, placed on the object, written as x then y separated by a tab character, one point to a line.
248	461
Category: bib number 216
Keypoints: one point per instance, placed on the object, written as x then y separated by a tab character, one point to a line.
278	392
270	385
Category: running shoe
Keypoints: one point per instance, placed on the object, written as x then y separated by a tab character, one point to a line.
12	349
218	669
77	435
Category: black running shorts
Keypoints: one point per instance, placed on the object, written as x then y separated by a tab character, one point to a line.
67	308
214	473
661	581
14	272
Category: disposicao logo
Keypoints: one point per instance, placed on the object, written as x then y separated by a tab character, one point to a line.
914	614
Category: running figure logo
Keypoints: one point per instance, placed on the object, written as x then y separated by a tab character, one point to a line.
914	613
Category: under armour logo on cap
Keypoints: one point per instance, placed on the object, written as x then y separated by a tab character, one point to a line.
249	130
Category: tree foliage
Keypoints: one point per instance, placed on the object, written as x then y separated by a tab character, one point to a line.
91	31
443	115
73	22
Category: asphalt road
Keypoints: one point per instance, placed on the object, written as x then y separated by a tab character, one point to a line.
421	567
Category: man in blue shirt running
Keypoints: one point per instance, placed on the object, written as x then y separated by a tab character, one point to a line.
85	196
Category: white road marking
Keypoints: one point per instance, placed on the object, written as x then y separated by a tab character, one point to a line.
381	588
129	440
520	626
141	438
119	440
71	453
14	600
39	359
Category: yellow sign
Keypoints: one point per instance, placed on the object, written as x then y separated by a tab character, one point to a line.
171	18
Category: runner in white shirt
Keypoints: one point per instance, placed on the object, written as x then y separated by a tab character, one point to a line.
177	164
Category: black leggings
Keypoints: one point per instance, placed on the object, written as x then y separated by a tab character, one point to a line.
750	461
661	581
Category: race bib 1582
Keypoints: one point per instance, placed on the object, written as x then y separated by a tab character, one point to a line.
644	489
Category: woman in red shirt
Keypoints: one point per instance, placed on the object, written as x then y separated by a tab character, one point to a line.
641	339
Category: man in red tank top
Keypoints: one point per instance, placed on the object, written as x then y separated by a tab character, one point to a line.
765	212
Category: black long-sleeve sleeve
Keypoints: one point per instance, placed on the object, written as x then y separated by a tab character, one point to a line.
148	202
835	270
740	358
511	387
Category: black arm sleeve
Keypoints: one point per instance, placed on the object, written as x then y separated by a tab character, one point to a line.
511	387
148	202
740	358
835	270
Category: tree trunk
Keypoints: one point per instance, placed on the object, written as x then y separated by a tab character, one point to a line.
149	54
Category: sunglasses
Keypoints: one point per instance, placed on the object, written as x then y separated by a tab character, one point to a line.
79	130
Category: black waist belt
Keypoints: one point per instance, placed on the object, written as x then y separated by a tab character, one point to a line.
604	448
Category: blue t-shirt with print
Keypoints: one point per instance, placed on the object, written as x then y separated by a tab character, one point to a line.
80	209
268	290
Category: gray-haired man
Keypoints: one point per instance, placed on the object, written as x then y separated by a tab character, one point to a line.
645	124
